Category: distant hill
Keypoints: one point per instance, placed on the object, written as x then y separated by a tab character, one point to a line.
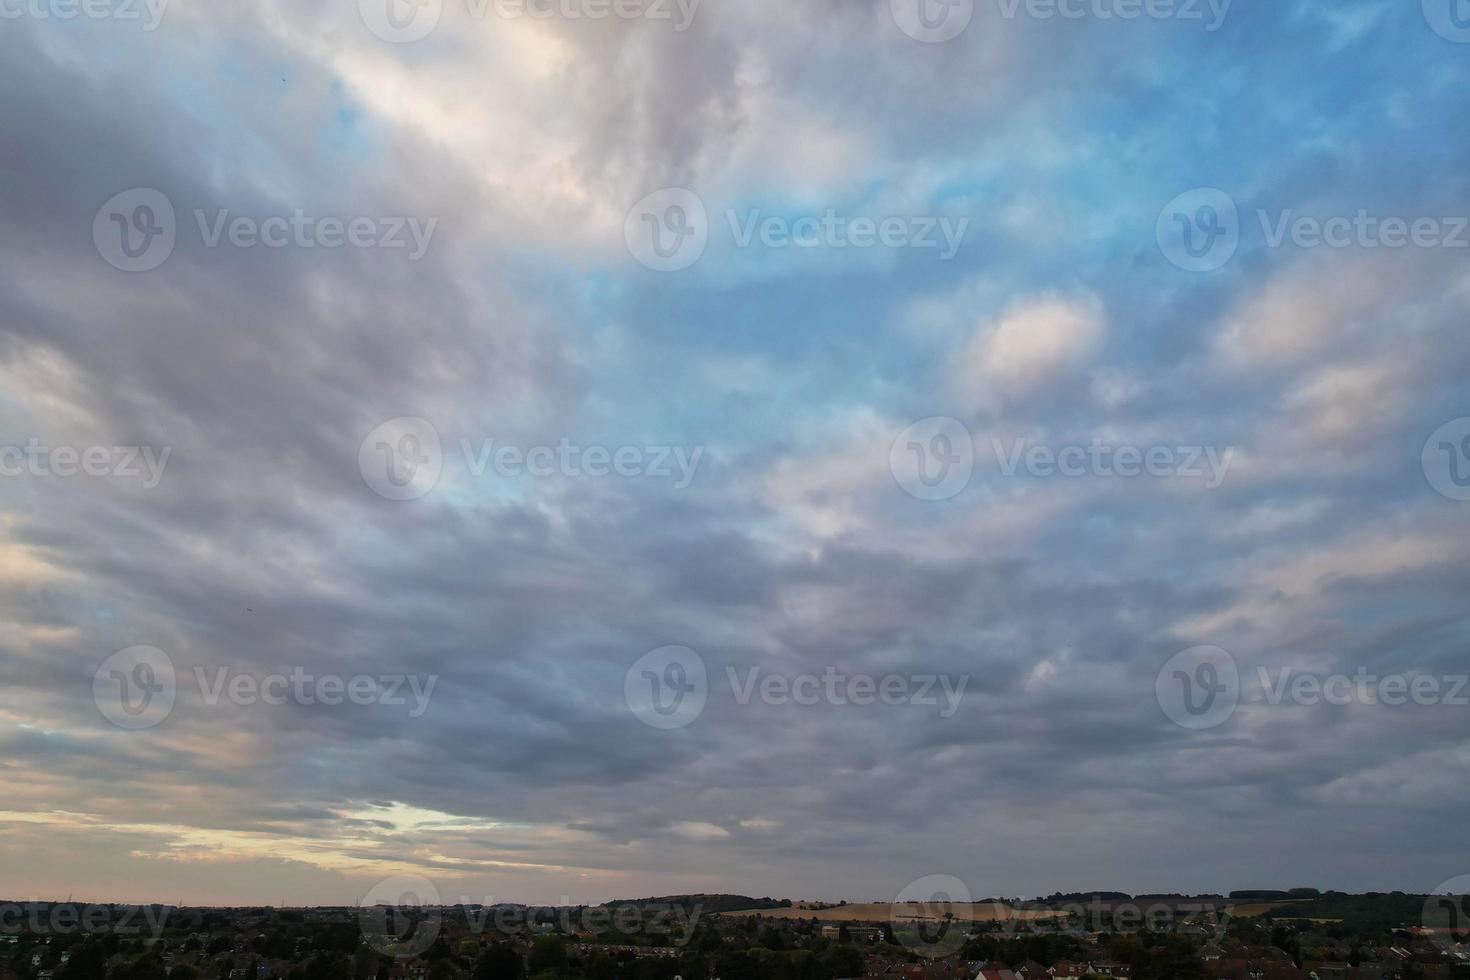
1270	895
709	903
880	912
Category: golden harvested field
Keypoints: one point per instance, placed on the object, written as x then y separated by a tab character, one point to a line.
978	912
1254	909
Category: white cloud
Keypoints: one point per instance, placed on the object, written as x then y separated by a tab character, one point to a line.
1031	344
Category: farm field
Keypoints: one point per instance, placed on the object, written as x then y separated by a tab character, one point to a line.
884	912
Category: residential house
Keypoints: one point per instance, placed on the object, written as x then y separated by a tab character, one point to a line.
1066	970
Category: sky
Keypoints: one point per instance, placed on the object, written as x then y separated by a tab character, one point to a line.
582	451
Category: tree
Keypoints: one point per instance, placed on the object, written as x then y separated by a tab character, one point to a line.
149	967
86	963
329	966
499	962
547	953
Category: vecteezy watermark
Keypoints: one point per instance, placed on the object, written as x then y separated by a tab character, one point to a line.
1362	230
137	688
669	230
137	230
407	21
672	922
933	459
1211	13
932	915
1096	914
1363	687
1447	909
401	916
568	459
1446	459
143	463
71	918
1097	459
1200	231
932	21
148	12
1199	688
669	688
303	688
833	230
679	13
836	687
404	459
1449	18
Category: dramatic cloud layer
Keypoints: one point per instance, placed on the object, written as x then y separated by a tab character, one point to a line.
770	513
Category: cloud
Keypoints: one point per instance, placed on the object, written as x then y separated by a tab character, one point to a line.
795	550
1313	307
1030	345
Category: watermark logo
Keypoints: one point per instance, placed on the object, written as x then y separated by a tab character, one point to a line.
136	230
68	918
306	689
145	464
308	231
676	463
667	231
1105	10
1363	230
1208	464
1199	688
135	688
399	909
400	916
1449	18
1199	231
1096	914
835	687
1448	906
407	21
932	916
933	21
667	688
149	11
402	459
680	12
1363	688
1446	459
401	21
933	459
836	231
